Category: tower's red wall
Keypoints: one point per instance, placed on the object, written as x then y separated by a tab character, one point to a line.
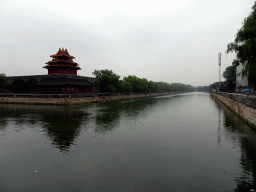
62	71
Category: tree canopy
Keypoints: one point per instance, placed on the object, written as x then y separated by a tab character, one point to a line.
137	84
107	81
245	46
230	75
4	83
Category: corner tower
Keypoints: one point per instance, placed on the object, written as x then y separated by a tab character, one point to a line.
62	63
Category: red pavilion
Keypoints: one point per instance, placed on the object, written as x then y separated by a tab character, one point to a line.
62	63
62	76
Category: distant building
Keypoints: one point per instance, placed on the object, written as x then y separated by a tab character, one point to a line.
62	77
201	88
240	81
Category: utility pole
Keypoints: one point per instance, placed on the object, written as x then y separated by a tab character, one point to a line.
219	54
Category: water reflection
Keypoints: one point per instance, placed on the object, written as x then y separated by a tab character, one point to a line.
169	143
18	113
239	132
109	113
107	117
62	127
62	124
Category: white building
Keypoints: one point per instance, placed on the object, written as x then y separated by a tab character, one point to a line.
240	81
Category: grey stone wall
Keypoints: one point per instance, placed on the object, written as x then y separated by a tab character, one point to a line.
245	112
69	101
247	100
74	95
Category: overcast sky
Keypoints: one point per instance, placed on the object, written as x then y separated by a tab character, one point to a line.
169	41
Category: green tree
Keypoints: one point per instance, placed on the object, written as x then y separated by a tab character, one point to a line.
106	81
137	84
214	86
151	86
144	85
134	82
4	83
245	47
127	87
230	75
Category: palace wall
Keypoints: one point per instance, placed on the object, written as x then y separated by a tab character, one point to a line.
26	77
40	77
242	105
71	101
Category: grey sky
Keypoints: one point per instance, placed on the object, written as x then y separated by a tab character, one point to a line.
170	41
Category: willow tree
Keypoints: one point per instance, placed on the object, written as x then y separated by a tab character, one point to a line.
245	47
106	81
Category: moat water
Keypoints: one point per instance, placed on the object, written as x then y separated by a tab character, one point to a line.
183	142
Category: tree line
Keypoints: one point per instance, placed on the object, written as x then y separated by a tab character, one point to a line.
18	85
107	81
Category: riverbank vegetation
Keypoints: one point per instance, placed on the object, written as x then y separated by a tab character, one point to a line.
107	81
245	47
230	75
229	84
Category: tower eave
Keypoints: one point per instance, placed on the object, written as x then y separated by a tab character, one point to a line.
53	62
57	55
68	66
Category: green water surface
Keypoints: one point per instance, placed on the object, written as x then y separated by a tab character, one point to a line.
183	142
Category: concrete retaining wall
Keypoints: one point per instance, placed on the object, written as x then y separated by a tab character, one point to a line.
70	101
247	100
245	112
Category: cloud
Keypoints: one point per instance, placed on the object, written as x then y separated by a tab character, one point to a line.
172	41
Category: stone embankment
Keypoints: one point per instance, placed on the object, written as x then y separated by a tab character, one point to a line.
242	105
71	101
